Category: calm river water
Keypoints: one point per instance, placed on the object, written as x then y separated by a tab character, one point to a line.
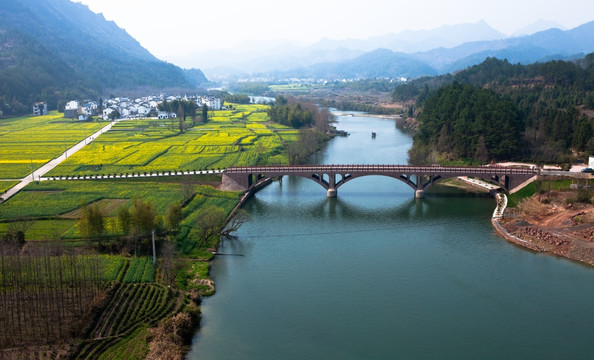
376	274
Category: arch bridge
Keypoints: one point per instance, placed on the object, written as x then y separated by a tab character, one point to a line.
419	178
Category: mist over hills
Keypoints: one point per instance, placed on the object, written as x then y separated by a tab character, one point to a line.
410	53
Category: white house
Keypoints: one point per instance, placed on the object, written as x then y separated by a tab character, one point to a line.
142	110
71	109
214	103
89	108
591	162
163	115
106	113
71	105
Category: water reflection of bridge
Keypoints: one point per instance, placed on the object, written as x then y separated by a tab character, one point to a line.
420	178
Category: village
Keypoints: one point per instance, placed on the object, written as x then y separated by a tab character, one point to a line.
126	108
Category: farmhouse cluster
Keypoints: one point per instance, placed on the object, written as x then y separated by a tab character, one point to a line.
123	107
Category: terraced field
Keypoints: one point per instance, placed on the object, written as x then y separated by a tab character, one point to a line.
121	329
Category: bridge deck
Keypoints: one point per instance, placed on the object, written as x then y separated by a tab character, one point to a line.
382	168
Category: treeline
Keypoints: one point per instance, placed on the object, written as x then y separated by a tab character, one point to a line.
132	228
183	109
315	125
252	88
382	85
348	105
553	100
300	114
462	121
237	98
45	294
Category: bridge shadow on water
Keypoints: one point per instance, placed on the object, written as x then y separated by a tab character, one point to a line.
379	207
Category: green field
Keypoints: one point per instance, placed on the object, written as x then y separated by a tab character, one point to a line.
52	206
233	137
27	143
139	295
5	185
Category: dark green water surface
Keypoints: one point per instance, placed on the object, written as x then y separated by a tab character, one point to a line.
376	274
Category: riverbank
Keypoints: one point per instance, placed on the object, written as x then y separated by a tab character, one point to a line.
559	227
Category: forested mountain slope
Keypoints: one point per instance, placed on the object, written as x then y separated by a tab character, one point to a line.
554	102
93	54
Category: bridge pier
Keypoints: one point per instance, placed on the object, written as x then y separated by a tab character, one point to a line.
419	194
332	193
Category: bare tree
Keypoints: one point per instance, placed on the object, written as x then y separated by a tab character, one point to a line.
210	223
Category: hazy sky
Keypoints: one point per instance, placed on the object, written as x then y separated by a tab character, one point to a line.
184	26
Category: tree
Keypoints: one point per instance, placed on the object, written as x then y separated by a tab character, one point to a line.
144	221
124	219
173	216
210	222
114	115
240	218
481	154
91	224
143	218
181	116
164	106
190	108
15	234
204	114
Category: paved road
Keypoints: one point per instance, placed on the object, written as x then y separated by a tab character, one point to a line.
35	175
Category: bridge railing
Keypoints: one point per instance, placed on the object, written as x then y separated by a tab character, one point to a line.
353	168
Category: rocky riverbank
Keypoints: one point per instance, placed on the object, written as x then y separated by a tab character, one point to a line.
563	230
555	224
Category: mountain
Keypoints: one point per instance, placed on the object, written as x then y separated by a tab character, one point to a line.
29	73
96	52
542	46
375	64
538	26
280	56
407	54
551	44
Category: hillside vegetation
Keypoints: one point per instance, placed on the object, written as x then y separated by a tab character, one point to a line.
58	50
554	103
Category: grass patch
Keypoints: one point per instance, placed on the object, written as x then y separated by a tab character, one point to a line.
5	185
534	187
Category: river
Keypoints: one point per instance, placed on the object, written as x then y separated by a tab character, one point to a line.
377	274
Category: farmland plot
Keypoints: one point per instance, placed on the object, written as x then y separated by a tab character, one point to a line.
242	136
26	143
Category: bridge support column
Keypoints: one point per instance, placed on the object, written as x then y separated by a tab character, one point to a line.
419	194
332	193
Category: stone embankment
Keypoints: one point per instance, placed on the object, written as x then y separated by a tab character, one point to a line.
514	239
501	199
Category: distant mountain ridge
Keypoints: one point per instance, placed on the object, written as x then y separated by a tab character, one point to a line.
97	53
445	49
